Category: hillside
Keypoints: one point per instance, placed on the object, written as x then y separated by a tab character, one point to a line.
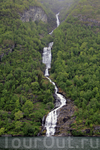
88	12
56	6
76	66
25	95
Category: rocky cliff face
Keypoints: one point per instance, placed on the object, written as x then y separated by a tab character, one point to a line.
67	125
35	14
65	119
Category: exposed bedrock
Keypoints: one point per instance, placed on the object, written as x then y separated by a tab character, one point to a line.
34	14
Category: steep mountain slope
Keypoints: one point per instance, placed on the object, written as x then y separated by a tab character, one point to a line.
56	6
25	95
11	27
76	66
88	12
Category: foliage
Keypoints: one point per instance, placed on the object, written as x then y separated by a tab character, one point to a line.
2	131
18	115
22	90
76	67
25	94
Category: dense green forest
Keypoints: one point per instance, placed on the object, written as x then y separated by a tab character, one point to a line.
25	95
76	64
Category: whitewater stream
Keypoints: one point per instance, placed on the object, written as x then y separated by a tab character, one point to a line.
51	119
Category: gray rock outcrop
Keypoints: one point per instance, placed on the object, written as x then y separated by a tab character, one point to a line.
65	119
57	101
34	14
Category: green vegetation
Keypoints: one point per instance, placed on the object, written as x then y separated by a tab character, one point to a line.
76	67
25	94
14	33
61	6
87	11
67	8
56	5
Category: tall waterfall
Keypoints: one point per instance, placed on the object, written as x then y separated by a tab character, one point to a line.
46	59
51	119
58	22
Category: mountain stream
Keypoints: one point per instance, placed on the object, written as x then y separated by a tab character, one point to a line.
51	119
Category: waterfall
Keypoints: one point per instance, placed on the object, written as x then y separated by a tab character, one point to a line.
58	22
51	119
46	59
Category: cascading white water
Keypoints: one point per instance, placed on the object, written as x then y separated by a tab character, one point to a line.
46	59
58	22
51	119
